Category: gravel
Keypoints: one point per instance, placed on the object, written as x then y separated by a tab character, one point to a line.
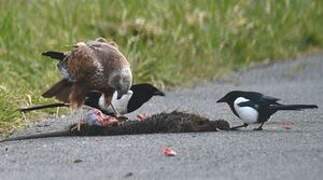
275	153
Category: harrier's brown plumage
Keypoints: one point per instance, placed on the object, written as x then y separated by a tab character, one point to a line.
91	66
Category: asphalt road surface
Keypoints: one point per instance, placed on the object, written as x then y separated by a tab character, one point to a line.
275	153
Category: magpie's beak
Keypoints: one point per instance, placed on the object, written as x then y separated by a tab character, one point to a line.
221	100
159	93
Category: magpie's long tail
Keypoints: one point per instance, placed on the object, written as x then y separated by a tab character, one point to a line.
38	136
293	107
54	55
38	107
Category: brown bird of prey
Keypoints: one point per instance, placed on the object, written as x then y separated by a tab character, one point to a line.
90	66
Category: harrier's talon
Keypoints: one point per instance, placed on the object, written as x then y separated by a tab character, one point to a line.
77	127
121	118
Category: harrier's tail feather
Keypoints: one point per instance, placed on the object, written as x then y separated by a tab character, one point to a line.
54	55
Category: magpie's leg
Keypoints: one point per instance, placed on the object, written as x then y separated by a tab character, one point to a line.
237	127
260	127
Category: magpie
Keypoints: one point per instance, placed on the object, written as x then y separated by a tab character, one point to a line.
256	108
138	95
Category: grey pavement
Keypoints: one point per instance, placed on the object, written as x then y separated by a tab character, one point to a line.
275	153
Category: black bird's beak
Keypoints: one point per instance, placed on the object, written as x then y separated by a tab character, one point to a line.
221	100
159	93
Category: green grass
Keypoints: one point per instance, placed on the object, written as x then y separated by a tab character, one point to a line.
167	42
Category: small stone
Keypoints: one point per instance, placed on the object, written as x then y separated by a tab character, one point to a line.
129	174
77	161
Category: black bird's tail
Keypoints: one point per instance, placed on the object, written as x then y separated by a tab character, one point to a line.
54	55
37	136
43	107
293	107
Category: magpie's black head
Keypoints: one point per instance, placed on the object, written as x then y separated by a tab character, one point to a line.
146	90
141	94
231	96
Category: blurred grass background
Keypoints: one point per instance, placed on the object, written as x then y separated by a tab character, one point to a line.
167	42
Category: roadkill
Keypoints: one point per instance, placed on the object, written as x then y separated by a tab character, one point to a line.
174	122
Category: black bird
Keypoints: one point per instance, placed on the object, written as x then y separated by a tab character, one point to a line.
133	100
256	108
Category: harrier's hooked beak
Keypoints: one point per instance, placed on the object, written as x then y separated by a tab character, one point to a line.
119	96
121	93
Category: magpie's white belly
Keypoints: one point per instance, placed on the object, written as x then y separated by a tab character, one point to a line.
248	115
119	104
